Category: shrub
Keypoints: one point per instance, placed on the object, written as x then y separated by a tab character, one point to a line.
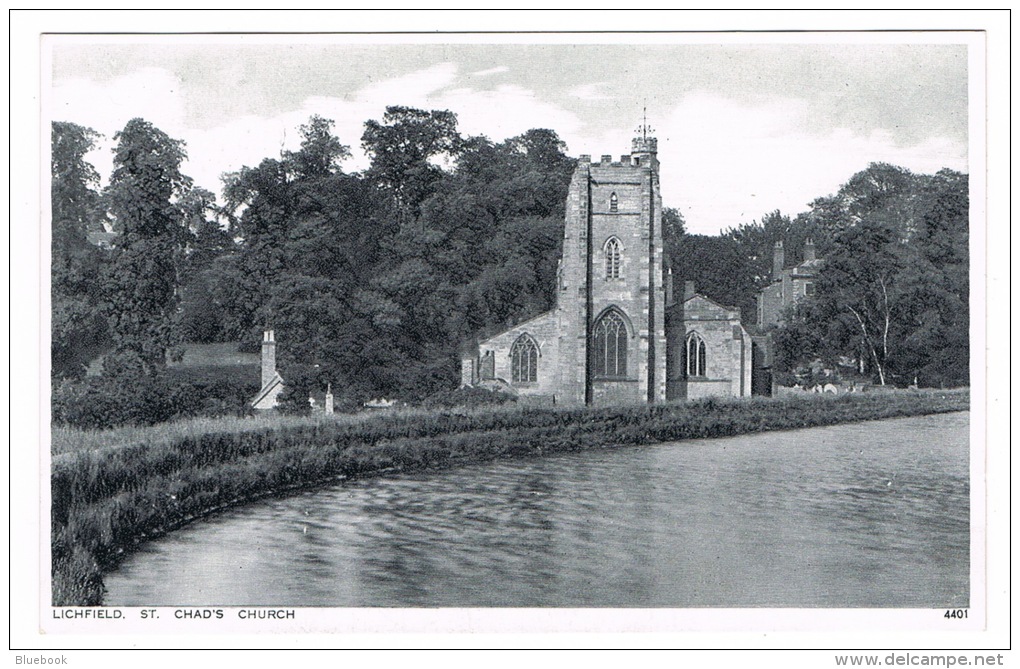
132	393
128	392
468	396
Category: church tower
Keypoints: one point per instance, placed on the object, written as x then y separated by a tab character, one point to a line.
606	341
610	298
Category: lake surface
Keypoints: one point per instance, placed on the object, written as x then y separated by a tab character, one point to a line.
862	515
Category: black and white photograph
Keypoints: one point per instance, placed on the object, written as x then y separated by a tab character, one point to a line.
536	331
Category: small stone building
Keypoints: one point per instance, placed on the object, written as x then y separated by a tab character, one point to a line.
616	336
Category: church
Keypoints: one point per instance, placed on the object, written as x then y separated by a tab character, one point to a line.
618	334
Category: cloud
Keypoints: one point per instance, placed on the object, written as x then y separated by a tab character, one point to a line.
726	163
150	93
415	85
505	112
491	71
590	91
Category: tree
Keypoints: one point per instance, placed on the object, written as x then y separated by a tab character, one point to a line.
856	295
321	152
893	295
143	278
402	149
757	240
78	328
208	238
718	269
673	230
884	194
936	298
73	195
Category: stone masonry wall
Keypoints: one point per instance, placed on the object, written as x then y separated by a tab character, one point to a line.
585	292
571	300
545	331
727	350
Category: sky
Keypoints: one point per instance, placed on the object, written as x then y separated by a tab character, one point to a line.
744	128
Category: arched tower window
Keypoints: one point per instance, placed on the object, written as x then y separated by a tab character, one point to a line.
614	202
614	265
609	346
695	355
524	360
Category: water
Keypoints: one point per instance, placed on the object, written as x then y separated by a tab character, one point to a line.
864	515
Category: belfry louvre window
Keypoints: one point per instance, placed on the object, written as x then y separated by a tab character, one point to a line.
609	346
613	259
524	360
614	203
695	355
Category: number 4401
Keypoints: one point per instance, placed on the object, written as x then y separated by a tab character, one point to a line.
956	613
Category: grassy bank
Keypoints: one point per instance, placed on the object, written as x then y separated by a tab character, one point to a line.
116	488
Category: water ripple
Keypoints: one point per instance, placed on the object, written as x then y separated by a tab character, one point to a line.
865	515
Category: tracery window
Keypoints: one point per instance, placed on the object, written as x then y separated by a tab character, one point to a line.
614	264
609	346
524	360
695	355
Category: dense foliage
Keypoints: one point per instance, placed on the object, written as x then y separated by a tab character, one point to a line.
373	281
79	329
892	300
891	304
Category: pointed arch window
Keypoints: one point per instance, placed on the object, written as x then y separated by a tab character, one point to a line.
524	360
614	258
609	346
614	203
695	355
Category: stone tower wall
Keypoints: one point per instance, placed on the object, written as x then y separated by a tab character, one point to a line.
587	291
572	292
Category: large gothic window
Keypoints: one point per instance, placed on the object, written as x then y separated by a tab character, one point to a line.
609	346
613	258
695	355
524	360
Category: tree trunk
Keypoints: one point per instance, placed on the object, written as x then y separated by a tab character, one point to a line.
871	347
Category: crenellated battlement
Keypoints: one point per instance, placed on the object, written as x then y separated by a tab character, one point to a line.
642	154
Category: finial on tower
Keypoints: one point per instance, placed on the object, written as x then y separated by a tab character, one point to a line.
644	143
644	129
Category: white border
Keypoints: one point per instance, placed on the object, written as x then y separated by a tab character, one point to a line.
766	629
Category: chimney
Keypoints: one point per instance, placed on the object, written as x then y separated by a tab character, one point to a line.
688	290
778	260
268	357
809	250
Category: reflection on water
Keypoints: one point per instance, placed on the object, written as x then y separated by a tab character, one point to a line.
864	515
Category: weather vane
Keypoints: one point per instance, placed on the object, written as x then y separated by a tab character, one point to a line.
644	128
